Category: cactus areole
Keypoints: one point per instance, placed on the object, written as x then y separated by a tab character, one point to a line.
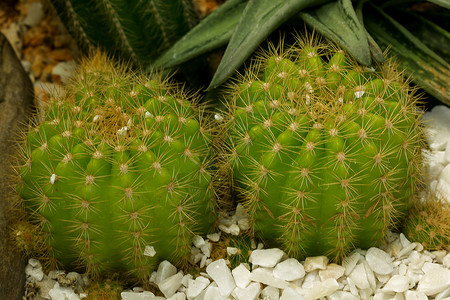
324	154
117	174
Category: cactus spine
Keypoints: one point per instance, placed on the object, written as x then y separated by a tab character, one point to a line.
324	154
134	30
429	223
118	165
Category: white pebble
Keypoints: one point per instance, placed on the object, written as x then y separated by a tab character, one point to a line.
62	293
350	262
270	293
341	295
316	263
214	237
290	294
414	295
171	284
265	276
332	270
446	260
435	280
359	276
445	174
149	251
146	295
221	274
178	296
289	270
232	250
198	241
266	257
241	276
234	229
379	261
35	274
212	293
165	270
397	283
195	287
251	292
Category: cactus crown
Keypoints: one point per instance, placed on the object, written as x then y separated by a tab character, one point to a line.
117	170
323	153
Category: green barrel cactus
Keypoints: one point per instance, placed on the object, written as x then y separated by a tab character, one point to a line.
324	154
117	170
429	223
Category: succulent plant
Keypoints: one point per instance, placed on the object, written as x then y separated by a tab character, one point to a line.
117	170
324	154
429	223
134	30
243	25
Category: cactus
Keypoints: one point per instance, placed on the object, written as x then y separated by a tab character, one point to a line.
119	164
134	30
324	154
429	223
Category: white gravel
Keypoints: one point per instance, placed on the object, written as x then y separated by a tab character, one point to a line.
399	269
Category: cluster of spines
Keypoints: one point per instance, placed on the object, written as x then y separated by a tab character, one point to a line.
323	153
120	163
429	222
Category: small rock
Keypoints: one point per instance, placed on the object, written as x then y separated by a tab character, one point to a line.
146	295
171	284
234	229
178	296
212	293
379	261
270	293
149	251
290	294
165	270
36	274
332	270
198	241
266	257
221	274
341	295
251	292
359	276
435	280
350	262
214	237
265	276
316	263
397	283
35	14
58	292
320	289
195	287
289	270
241	276
414	295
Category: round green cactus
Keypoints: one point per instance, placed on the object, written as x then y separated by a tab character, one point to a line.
324	154
429	222
118	165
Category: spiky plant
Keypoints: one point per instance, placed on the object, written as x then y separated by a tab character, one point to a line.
324	154
134	30
118	165
429	223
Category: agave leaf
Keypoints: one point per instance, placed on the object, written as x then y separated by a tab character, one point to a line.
375	50
212	32
427	68
338	21
258	20
443	3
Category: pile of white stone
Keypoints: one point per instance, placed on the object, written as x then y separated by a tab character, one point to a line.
399	269
438	157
